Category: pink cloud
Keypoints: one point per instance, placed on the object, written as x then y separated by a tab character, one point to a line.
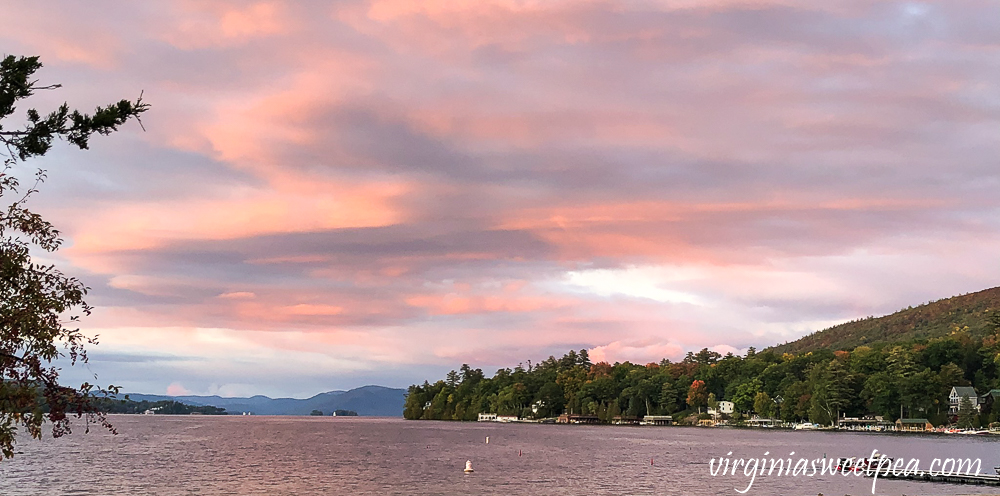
370	185
176	389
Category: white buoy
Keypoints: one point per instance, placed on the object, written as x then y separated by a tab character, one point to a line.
468	467
487	440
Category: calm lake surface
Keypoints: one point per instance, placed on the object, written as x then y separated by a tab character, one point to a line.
170	455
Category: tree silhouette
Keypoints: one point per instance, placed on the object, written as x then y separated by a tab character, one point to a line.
39	305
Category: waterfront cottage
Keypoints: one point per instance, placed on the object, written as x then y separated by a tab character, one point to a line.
988	401
955	398
725	408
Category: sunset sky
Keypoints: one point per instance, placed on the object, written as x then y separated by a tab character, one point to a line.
334	194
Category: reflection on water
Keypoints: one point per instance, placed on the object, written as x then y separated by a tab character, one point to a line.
169	455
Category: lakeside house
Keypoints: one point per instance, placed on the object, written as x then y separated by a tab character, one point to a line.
914	425
725	408
987	401
959	392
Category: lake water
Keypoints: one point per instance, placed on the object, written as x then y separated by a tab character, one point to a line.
172	455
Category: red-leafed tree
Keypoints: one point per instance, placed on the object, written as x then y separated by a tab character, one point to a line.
697	395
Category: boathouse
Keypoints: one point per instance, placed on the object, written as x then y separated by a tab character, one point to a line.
567	418
913	425
625	420
658	420
871	423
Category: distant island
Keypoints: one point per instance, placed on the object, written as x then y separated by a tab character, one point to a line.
163	407
934	365
335	413
375	401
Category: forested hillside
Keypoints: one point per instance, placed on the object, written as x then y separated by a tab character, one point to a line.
971	312
911	378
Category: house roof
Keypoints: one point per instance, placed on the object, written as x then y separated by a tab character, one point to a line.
961	391
913	421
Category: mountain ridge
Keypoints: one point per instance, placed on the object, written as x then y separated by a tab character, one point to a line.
370	400
970	312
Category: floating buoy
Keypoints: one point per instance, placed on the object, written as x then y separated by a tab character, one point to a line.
487	440
518	452
468	467
650	461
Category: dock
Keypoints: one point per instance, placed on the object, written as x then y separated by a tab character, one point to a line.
923	475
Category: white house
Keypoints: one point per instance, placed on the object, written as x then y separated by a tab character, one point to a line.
725	407
955	398
487	417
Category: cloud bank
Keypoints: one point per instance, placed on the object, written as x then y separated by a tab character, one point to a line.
331	194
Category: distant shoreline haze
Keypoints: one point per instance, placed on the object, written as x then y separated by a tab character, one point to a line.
369	401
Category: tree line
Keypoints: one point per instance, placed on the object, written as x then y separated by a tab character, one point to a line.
163	407
910	380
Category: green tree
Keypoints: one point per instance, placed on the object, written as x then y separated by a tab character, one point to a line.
572	380
39	305
439	404
551	398
881	395
994	322
920	391
797	397
650	389
763	404
668	398
745	393
830	391
966	413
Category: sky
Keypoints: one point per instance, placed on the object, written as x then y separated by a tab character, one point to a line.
334	194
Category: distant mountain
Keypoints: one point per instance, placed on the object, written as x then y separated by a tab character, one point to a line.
973	312
367	401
